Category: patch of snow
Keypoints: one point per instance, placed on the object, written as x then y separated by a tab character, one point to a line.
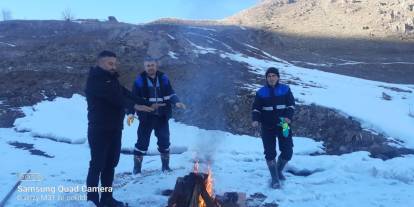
266	54
403	63
251	87
330	64
43	94
87	21
9	44
308	146
78	21
313	64
172	55
202	28
47	119
170	36
202	50
212	39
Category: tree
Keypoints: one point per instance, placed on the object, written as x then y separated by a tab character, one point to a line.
6	14
68	15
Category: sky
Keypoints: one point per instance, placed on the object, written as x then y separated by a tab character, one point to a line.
131	11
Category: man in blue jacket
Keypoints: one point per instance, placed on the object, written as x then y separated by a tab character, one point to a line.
155	87
107	100
273	107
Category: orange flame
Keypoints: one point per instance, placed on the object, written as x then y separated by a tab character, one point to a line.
208	184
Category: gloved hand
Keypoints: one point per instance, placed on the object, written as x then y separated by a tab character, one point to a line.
285	127
130	119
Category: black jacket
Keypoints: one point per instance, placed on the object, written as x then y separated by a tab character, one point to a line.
107	100
144	87
272	103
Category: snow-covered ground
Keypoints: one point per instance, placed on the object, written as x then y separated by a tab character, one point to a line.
238	165
173	55
57	130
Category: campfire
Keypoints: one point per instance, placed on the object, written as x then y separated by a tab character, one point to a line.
196	190
206	182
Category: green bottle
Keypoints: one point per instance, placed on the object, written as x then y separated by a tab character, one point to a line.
285	127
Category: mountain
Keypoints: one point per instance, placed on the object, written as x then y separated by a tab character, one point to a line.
360	38
352	126
370	19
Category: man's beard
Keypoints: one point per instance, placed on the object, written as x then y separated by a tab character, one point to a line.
152	72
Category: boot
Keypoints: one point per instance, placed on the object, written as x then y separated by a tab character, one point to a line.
273	172
137	164
281	163
93	203
111	202
93	199
165	160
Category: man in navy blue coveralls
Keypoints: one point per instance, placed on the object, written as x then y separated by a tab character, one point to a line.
155	87
274	102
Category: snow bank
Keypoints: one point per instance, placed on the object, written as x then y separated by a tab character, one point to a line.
63	120
237	163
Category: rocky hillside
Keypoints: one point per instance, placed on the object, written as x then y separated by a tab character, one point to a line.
362	38
44	59
371	19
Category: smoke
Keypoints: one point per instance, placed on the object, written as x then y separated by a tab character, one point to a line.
204	81
207	146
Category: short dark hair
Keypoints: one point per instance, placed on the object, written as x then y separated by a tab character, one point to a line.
273	70
106	53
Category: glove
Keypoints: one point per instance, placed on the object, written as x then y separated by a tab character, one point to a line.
130	119
285	127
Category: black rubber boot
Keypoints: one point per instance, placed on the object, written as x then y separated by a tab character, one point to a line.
94	203
137	164
273	172
111	202
165	161
281	163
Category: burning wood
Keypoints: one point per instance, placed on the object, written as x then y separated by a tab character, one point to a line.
196	190
191	191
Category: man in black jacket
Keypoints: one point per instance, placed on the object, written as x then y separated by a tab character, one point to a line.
155	87
107	100
273	107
